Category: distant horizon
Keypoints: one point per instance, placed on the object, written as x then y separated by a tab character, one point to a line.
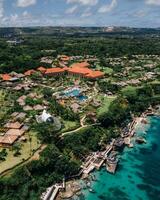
59	26
80	13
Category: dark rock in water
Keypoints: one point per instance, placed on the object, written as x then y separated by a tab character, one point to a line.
129	176
143	187
102	197
119	194
138	198
154	147
152	192
133	182
140	140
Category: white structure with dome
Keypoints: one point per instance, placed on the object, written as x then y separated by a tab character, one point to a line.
48	118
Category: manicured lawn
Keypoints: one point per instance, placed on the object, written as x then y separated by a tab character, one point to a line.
26	151
69	125
106	101
107	70
128	88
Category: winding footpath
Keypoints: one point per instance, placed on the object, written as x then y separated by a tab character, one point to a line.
82	125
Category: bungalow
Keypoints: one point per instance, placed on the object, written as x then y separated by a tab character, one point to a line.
47	60
64	58
29	72
15	132
13	125
5	77
8	140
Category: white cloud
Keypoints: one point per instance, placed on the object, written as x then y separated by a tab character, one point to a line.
153	2
109	7
87	12
13	19
1	9
140	13
84	2
25	3
25	14
71	10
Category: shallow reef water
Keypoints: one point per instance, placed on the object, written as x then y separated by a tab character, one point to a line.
138	174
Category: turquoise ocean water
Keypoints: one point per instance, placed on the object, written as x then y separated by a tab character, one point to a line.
138	174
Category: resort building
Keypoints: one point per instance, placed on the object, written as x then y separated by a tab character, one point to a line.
77	69
82	70
13	131
41	69
8	77
80	65
13	125
54	71
7	140
5	77
29	72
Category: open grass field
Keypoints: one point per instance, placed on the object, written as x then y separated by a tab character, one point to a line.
107	70
26	151
69	125
106	101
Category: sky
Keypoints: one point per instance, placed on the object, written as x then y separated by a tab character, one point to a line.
132	13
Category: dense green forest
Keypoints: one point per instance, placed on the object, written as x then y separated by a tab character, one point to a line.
27	55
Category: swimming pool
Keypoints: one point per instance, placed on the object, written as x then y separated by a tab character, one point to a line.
72	93
75	93
82	98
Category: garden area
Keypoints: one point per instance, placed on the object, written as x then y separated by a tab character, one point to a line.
19	152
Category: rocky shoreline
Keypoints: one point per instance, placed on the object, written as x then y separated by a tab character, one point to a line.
73	187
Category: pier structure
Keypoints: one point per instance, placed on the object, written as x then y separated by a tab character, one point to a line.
96	160
52	192
111	164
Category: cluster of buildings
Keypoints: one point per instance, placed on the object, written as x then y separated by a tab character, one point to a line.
77	69
13	130
81	69
97	159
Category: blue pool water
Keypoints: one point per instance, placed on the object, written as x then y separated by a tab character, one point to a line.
82	98
72	93
138	175
75	93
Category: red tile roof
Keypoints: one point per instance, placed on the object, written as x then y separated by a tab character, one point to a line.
41	69
13	125
5	77
17	132
81	65
56	70
79	70
65	58
95	74
82	69
8	139
29	72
